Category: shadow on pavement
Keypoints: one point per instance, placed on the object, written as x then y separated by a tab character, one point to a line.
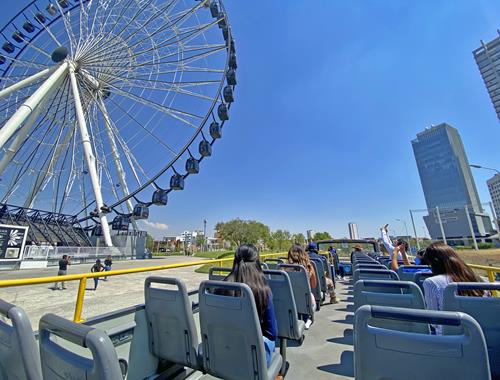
346	339
344	368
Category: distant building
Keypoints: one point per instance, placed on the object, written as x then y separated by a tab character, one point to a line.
494	188
448	184
353	231
488	61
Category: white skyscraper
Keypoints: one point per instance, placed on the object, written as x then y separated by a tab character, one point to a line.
494	188
353	231
487	59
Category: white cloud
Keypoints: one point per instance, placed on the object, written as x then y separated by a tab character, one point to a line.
156	225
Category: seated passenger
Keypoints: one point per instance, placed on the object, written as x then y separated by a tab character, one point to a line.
448	267
399	251
357	248
388	244
297	255
312	250
247	270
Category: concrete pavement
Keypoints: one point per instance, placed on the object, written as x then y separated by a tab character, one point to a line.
116	293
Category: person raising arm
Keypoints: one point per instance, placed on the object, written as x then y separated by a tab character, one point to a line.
389	246
399	251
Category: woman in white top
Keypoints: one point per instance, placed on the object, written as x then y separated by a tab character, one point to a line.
447	267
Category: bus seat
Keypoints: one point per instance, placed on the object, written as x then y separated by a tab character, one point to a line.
420	277
391	293
485	310
218	273
317	293
369	266
406	272
273	263
374	274
233	346
289	326
172	332
301	288
19	356
59	362
381	353
321	269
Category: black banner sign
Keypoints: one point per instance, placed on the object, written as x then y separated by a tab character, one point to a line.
12	240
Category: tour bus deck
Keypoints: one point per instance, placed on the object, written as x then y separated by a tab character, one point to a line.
325	353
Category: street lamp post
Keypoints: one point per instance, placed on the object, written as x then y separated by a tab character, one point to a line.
204	234
484	167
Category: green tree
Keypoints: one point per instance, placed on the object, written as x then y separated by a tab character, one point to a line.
239	231
200	240
321	236
150	242
280	239
299	239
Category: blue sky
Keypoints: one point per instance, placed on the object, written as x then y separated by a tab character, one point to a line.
330	94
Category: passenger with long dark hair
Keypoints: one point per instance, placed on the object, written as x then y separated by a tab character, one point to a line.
448	267
247	270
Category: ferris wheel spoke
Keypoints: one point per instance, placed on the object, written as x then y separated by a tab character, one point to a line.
69	29
19	140
139	28
181	17
27	81
156	138
111	32
164	109
116	155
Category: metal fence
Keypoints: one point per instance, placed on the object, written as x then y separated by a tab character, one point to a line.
78	254
474	227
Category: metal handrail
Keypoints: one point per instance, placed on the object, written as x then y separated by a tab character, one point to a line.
82	277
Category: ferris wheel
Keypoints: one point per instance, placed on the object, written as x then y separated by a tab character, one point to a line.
106	106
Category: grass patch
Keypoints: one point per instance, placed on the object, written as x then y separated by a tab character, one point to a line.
206	268
218	255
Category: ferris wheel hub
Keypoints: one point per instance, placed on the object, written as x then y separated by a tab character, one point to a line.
60	54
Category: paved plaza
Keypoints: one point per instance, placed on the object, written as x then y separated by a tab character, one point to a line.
116	293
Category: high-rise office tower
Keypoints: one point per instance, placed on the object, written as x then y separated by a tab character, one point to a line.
494	188
353	230
488	60
448	185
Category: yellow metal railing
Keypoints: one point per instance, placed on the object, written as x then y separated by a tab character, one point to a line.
490	271
82	277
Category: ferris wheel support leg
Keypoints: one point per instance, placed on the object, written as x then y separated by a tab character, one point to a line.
89	156
25	109
25	82
116	158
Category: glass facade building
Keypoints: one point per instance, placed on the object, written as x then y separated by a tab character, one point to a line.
448	184
488	61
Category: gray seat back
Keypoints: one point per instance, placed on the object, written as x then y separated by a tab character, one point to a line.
391	293
284	304
369	266
389	354
374	274
300	286
171	328
406	272
485	310
19	356
59	362
273	263
420	277
320	271
218	273
233	347
316	291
